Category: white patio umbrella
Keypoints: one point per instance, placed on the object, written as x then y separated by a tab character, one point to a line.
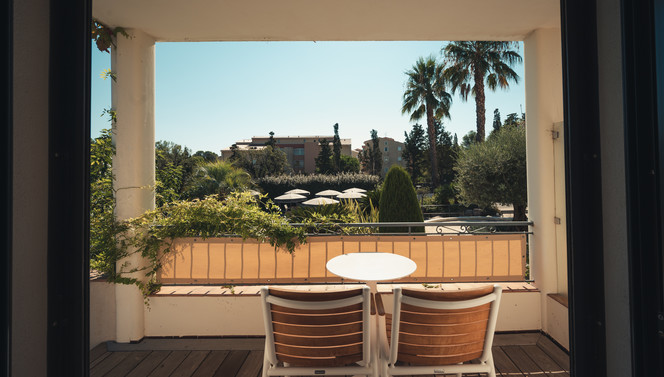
298	191
319	201
290	198
355	189
351	195
328	193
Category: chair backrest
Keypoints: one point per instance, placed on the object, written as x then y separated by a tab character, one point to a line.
443	328
312	329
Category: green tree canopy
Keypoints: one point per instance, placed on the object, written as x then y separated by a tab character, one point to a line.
208	156
414	151
220	178
336	149
349	164
371	158
425	95
324	164
398	201
470	63
495	171
262	162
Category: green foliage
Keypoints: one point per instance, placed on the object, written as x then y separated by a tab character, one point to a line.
218	178
152	233
174	170
349	164
324	163
336	149
325	219
495	171
447	154
259	163
106	73
270	141
414	152
497	124
469	139
371	158
112	115
102	201
208	156
445	194
470	63
104	35
398	201
275	186
425	96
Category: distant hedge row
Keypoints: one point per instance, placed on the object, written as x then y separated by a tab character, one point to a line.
275	186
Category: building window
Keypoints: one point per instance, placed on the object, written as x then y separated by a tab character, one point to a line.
386	143
399	148
387	159
298	152
399	158
385	149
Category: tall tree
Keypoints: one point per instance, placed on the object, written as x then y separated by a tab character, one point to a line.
336	149
324	159
414	151
426	96
371	158
496	121
263	162
271	142
469	139
471	63
446	155
495	171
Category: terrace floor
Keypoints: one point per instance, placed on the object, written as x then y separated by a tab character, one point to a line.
514	354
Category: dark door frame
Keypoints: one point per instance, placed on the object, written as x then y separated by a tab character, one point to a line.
68	190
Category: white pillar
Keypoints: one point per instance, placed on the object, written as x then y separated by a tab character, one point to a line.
133	61
544	108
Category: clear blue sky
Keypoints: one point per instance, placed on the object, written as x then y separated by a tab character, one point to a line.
211	94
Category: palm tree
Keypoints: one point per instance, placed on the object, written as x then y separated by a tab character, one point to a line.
219	177
470	62
425	95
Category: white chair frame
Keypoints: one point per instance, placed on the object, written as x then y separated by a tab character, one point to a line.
271	365
388	354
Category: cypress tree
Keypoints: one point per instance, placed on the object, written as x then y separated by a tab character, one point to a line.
398	201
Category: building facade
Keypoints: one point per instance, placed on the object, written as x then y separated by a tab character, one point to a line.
301	151
391	150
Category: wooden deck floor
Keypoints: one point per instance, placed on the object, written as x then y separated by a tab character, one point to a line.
514	354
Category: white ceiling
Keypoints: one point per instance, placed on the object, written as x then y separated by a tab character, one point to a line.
348	20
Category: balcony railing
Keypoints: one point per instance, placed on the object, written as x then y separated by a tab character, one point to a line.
454	251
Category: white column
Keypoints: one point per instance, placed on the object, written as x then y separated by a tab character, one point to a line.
133	61
544	108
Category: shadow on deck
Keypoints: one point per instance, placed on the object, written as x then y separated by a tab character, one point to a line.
514	354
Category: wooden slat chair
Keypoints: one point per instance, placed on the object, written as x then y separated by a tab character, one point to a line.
435	332
317	333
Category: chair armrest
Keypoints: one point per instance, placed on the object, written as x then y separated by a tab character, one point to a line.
379	305
373	305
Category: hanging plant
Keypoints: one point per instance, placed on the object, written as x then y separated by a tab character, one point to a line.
104	35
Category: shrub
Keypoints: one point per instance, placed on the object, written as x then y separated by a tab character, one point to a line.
277	185
398	201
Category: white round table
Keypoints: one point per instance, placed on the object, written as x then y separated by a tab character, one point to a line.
371	267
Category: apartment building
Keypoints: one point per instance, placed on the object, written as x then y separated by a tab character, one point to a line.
391	150
301	151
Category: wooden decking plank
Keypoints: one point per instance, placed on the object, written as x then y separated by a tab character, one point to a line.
545	362
504	364
147	365
252	365
108	364
98	351
99	359
516	339
169	364
525	364
210	364
231	364
128	364
190	364
551	349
